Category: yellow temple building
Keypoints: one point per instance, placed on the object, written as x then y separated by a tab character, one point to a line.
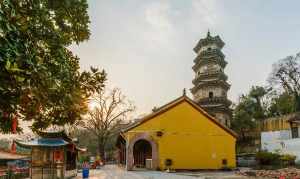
178	135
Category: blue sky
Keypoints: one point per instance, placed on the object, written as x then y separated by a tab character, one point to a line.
146	46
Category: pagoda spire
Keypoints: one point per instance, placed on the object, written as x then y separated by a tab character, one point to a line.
208	33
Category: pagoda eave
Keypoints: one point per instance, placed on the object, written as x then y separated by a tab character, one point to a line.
209	40
202	62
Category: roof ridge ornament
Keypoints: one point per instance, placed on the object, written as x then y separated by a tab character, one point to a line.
184	92
208	33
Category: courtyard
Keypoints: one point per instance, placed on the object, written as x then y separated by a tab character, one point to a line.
115	172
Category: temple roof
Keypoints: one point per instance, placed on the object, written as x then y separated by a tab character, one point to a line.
174	103
209	40
43	142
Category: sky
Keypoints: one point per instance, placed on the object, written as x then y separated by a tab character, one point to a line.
146	46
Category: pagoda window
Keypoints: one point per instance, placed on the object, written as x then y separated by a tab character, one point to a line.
210	94
224	93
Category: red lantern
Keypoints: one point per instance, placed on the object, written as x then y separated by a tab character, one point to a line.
5	115
14	124
13	147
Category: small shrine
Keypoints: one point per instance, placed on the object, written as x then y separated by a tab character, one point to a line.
53	155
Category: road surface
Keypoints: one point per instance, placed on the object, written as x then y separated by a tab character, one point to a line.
115	172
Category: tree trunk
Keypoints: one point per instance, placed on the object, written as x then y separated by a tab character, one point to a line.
297	102
101	150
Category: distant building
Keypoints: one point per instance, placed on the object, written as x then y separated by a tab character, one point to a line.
210	82
178	135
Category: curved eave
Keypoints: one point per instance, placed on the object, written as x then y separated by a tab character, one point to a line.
216	76
210	40
216	83
43	143
203	61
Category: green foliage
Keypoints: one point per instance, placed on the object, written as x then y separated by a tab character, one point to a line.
39	75
281	105
83	158
257	94
249	109
288	159
86	139
267	158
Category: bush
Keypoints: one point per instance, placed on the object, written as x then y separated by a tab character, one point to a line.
267	158
288	159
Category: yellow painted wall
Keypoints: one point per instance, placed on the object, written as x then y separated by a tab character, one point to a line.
190	139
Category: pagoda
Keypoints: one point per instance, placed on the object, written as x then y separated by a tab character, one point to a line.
210	82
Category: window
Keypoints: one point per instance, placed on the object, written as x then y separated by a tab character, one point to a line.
295	133
209	48
210	94
224	162
223	93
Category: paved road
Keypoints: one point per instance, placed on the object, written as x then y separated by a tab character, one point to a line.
114	172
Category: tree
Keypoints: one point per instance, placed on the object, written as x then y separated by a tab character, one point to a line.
250	109
108	116
281	104
39	75
286	75
258	93
243	121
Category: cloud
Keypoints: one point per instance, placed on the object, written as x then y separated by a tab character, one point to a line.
158	18
205	12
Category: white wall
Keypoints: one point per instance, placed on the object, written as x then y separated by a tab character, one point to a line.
281	141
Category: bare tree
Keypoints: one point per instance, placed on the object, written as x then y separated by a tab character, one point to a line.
286	75
111	109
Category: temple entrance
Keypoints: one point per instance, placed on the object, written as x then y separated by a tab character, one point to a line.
142	150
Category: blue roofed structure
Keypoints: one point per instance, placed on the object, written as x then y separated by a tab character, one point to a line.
53	154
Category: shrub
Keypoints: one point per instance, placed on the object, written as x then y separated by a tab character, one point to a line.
267	158
288	159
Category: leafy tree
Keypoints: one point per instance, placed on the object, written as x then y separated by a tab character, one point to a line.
250	109
108	117
39	75
243	121
86	139
281	104
258	94
286	75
